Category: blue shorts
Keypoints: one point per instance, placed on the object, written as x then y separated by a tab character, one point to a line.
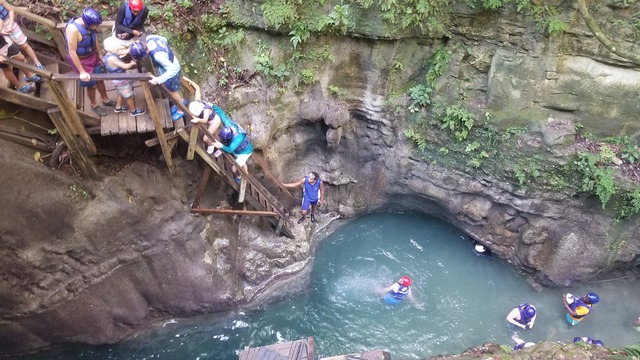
306	203
571	320
96	70
389	299
173	84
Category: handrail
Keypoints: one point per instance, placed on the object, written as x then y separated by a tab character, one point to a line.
117	76
25	66
25	13
104	25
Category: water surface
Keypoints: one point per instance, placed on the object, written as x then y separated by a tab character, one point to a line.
464	298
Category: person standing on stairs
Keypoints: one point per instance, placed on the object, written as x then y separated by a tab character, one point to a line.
234	140
130	20
11	29
166	62
84	56
114	65
312	194
9	50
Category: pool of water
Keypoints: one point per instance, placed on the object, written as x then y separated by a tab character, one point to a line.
464	298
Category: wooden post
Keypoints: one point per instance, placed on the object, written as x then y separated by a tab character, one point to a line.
155	116
243	189
193	142
201	186
75	126
76	144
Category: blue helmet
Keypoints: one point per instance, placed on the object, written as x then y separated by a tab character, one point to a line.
91	16
577	339
226	133
593	298
529	312
598	343
138	50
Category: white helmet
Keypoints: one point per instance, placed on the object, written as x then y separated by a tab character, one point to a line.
111	44
196	108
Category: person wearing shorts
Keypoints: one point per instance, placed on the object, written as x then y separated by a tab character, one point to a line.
312	194
115	65
10	28
8	50
84	50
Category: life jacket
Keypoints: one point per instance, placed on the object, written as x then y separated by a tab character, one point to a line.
208	105
523	319
403	292
311	191
4	13
161	46
130	21
237	130
577	303
86	45
115	69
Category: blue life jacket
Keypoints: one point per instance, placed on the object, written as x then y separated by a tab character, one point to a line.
311	191
208	105
576	304
115	69
523	319
161	47
4	13
86	45
245	147
129	21
402	292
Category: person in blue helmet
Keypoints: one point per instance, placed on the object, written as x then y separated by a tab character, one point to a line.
588	340
166	62
396	292
579	307
233	140
84	56
523	316
312	194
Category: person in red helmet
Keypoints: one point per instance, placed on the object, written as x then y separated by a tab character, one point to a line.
130	19
399	291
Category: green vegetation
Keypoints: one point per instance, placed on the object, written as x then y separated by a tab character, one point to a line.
458	121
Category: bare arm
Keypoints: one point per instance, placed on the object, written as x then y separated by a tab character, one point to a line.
321	193
511	318
12	14
569	310
114	61
294	184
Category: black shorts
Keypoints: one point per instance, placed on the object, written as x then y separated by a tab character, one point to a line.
12	52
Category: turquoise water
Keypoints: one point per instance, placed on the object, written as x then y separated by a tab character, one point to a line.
464	298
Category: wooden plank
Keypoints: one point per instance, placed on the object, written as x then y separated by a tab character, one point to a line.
155	141
105	76
243	189
81	149
107	124
4	83
32	35
234	212
166	151
123	123
193	142
311	349
25	13
45	93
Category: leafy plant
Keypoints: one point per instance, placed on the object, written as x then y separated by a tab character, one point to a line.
307	76
420	94
458	120
299	34
630	153
595	179
417	138
279	12
437	65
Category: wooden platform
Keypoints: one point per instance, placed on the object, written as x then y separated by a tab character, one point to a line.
294	350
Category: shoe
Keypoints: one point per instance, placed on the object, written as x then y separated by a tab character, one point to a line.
137	112
238	180
26	89
109	103
174	109
313	219
34	78
41	67
120	109
99	110
177	115
301	220
210	149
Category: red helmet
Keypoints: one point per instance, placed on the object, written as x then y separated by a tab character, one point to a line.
136	5
405	281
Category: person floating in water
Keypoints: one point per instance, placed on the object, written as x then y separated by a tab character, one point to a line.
520	344
399	291
588	340
480	249
523	316
578	307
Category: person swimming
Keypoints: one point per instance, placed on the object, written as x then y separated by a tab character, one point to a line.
480	249
396	292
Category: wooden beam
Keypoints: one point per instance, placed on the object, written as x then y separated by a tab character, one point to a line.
273	178
193	142
103	26
177	102
70	114
105	76
22	140
45	74
22	11
201	186
76	145
243	189
158	124
234	212
32	35
155	141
